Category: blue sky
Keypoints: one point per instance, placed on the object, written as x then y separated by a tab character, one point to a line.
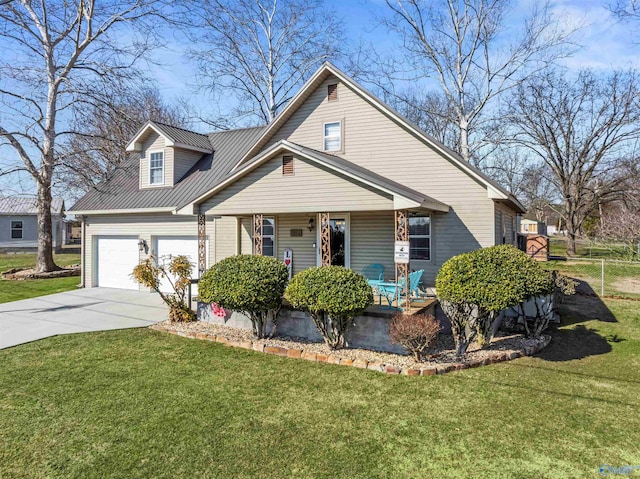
605	44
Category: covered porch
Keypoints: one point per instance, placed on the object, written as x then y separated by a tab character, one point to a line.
309	208
365	241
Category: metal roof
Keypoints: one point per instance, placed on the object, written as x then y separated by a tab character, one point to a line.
122	192
185	137
28	206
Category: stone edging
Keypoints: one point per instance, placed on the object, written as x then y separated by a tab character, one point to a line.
357	363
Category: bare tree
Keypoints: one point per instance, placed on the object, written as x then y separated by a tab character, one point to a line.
53	53
461	43
621	223
625	9
431	111
102	130
582	129
262	50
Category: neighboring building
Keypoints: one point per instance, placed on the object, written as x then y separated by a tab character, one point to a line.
335	178
19	223
71	232
533	227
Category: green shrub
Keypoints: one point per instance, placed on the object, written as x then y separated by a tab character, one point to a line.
252	285
473	288
333	296
177	270
414	332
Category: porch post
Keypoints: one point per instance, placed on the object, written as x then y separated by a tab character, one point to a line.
202	244
402	234
257	234
325	240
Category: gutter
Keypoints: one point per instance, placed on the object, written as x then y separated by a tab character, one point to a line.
168	209
83	246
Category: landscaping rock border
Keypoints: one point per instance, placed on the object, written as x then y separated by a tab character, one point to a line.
30	273
296	353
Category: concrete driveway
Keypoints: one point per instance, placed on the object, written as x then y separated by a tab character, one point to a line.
79	311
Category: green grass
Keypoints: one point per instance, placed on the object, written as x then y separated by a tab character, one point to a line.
589	249
14	290
140	403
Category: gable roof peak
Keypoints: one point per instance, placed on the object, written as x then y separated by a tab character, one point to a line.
494	190
174	136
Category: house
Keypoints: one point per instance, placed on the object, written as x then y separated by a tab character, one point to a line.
533	227
337	178
19	223
72	232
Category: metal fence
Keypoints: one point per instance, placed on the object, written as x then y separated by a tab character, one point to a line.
604	277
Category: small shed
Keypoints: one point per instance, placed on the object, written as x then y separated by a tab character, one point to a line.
535	227
537	246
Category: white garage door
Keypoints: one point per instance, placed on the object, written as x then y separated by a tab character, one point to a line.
175	246
116	258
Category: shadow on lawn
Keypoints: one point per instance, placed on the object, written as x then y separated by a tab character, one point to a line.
580	342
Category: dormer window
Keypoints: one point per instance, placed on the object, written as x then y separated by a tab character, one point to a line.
332	136
156	168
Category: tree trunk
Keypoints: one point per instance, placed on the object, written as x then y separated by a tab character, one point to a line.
464	140
45	261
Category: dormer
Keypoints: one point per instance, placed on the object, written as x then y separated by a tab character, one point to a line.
167	153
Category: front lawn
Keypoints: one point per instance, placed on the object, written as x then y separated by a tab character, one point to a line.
15	290
140	403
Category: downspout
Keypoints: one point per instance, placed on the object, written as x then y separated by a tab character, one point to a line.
82	251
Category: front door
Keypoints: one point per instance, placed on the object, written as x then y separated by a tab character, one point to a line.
338	244
340	251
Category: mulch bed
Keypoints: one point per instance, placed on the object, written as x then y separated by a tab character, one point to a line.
503	347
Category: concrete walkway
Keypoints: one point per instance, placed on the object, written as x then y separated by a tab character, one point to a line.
79	311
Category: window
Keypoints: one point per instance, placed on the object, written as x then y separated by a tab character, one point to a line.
156	168
504	227
287	165
332	92
268	236
332	133
420	237
16	230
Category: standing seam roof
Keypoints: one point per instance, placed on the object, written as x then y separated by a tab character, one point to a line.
122	191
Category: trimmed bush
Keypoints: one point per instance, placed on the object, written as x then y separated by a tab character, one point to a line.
474	287
333	296
415	332
177	270
252	285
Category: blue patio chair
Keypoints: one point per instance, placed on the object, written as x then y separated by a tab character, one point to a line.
395	291
374	274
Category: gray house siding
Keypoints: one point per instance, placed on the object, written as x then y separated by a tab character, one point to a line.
311	188
505	216
152	143
374	141
29	232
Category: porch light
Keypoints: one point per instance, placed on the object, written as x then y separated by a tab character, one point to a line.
312	223
142	245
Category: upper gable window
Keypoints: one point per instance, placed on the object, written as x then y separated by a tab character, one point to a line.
156	168
332	92
332	136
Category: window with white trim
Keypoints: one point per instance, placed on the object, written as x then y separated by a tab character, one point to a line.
268	236
332	136
156	168
420	237
16	230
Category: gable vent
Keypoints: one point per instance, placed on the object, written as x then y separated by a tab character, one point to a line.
287	165
332	92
